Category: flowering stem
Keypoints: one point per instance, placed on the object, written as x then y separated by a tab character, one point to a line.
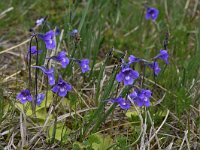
73	52
46	94
165	42
72	55
154	75
36	72
29	63
29	72
143	75
47	86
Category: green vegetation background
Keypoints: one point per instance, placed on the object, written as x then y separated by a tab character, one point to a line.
104	24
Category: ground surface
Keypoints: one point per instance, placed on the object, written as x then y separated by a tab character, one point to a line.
172	122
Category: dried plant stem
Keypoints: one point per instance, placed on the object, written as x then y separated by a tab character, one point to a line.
70	114
142	144
9	49
23	128
152	124
6	11
185	139
141	122
156	132
36	73
11	76
29	72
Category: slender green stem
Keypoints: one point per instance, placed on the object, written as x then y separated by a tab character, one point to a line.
55	119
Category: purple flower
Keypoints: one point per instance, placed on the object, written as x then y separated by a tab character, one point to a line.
39	21
48	38
124	104
152	13
48	72
33	50
84	65
127	75
117	100
74	33
24	96
155	67
40	98
62	88
163	55
133	59
61	57
141	97
133	95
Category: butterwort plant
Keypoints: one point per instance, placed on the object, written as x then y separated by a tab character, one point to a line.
48	72
151	13
62	59
74	33
133	59
141	97
163	55
40	98
40	21
84	65
24	96
155	67
33	50
61	88
48	38
124	104
127	75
